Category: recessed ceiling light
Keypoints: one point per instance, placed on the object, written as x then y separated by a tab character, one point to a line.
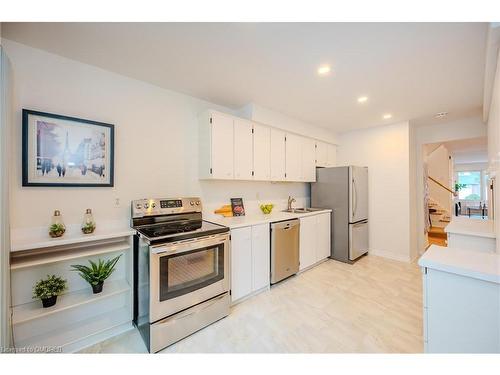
362	99
387	116
441	114
324	69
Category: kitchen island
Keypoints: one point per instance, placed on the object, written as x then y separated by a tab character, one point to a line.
461	300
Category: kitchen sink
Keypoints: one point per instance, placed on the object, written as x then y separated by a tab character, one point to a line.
302	210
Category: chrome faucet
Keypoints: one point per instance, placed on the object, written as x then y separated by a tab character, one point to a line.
290	201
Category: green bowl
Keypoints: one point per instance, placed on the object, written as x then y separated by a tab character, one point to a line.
266	208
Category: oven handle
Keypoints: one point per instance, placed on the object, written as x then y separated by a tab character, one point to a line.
183	246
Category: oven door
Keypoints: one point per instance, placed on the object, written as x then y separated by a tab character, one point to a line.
186	273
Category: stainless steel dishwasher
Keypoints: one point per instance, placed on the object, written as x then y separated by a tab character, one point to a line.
284	249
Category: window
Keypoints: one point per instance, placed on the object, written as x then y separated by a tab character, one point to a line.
470	185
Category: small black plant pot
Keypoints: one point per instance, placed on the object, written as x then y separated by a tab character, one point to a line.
48	302
97	288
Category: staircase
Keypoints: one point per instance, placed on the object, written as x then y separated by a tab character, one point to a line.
440	217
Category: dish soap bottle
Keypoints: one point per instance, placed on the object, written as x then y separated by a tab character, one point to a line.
88	225
57	227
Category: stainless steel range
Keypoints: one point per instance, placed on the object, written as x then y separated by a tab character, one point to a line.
181	270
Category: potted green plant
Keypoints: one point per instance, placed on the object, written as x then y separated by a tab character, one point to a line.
48	289
97	272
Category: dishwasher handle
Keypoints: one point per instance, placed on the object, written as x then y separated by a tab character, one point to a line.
285	225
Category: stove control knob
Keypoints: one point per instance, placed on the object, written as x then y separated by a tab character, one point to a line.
153	205
138	206
197	203
146	205
191	203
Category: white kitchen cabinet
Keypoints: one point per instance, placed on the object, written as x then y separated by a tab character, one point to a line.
461	314
232	148
315	239
216	140
262	152
307	242
261	266
241	262
250	260
293	157
321	154
277	155
331	155
243	149
308	160
323	249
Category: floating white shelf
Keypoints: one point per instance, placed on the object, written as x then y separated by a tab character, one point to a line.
37	238
80	331
34	310
66	254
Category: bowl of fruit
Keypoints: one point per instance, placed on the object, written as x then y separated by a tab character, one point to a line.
266	208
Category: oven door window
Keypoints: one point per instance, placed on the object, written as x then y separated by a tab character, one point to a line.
186	272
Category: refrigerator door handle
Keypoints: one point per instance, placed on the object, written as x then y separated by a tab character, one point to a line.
355	199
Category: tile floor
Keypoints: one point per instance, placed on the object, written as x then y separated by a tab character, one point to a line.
372	306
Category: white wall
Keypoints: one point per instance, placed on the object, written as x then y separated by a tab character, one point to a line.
464	128
438	164
5	141
156	148
385	150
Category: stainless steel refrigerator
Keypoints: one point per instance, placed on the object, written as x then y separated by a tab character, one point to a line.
345	191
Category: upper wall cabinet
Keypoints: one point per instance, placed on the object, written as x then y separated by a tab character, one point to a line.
262	152
326	154
216	146
278	152
243	150
321	154
293	157
232	148
308	160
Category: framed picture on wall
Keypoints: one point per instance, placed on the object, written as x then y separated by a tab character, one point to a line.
66	151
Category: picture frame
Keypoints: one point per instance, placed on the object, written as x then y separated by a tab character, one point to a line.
60	150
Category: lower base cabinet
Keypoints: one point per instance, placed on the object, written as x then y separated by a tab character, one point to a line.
461	313
315	239
250	260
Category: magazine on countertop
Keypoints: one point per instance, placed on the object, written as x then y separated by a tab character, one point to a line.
237	207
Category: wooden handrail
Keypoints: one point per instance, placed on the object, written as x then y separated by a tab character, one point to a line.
440	184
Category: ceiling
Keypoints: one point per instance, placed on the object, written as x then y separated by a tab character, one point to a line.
411	70
472	150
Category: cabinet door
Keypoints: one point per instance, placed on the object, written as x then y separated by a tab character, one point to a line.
331	155
323	249
241	262
261	256
222	145
293	158
243	150
261	152
277	155
321	154
308	160
308	241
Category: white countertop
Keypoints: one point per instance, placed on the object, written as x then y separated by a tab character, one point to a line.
470	263
248	220
38	237
471	227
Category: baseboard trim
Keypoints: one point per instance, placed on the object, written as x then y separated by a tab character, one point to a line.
390	255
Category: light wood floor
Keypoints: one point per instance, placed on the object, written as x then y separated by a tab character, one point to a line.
372	306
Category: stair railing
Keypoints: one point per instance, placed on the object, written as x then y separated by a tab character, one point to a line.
442	186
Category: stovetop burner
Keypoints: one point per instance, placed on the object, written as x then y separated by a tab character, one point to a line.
171	228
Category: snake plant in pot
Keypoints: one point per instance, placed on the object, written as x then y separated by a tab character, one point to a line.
48	289
97	272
